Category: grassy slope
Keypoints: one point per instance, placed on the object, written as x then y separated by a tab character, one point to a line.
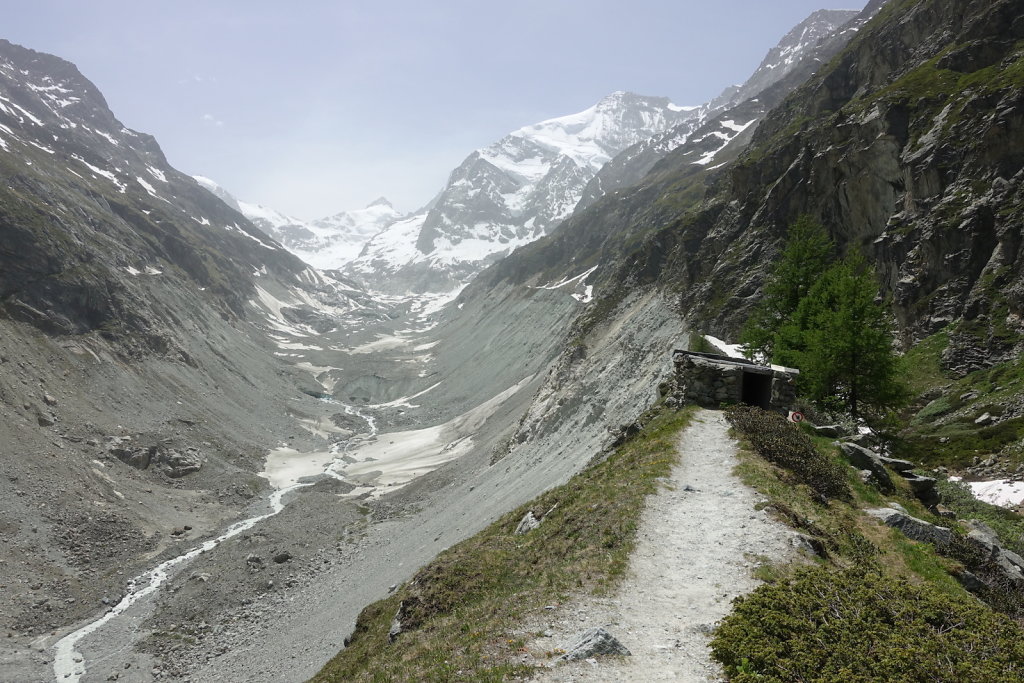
460	611
943	431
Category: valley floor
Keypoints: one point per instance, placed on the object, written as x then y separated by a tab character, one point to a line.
700	538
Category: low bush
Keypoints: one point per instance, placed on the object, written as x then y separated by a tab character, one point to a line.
777	440
858	625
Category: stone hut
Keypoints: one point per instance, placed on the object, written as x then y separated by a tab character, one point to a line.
710	380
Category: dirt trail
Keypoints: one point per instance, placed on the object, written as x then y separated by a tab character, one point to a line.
698	541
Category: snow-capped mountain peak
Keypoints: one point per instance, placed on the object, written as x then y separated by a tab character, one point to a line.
509	194
326	243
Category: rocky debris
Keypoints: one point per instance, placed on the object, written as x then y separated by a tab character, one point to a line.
912	527
593	642
624	433
171	462
282	557
179	464
993	467
254	562
527	524
864	459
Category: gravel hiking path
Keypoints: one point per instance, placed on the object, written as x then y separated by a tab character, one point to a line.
698	542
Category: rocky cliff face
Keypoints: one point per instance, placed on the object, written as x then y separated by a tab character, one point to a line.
138	394
906	145
91	213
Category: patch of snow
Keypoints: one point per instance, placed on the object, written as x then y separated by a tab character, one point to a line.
999	492
100	172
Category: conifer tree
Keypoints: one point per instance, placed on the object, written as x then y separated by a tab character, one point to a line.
807	254
844	342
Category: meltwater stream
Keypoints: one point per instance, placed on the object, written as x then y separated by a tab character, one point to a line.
69	665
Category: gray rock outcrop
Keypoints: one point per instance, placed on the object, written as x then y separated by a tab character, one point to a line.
527	524
912	527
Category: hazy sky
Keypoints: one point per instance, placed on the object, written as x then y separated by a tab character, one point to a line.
312	107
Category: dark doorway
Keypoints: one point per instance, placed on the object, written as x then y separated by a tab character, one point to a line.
757	389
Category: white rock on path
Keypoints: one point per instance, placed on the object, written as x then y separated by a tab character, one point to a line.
694	554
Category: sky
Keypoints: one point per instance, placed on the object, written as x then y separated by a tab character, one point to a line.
315	107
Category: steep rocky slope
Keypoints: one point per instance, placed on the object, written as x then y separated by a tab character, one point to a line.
906	146
138	387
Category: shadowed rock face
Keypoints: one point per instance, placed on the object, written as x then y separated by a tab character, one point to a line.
90	209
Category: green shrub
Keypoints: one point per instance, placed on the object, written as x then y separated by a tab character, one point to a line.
777	440
858	626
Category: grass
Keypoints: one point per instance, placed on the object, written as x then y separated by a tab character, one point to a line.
459	613
922	364
943	431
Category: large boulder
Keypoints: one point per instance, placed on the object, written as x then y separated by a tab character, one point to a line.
865	459
924	488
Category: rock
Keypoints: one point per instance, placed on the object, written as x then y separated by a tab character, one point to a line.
911	527
176	465
831	431
923	487
985	419
49	400
596	641
396	623
139	458
45	420
979	531
896	464
971	582
808	544
282	557
527	524
943	511
254	561
864	459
